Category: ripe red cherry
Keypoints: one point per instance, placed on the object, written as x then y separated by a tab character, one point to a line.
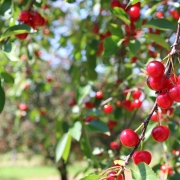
115	3
137	103
24	16
172	81
157	84
134	12
164	101
166	169
89	105
49	78
136	94
108	108
99	95
134	59
42	111
89	118
157	116
142	156
129	138
155	69
23	107
111	124
118	103
22	36
160	133
37	19
112	176
114	145
168	111
174	93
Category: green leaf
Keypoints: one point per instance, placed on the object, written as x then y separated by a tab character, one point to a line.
118	113
82	91
63	147
134	46
132	2
2	99
91	177
85	147
158	39
110	46
70	1
76	130
162	24
17	29
7	47
12	55
6	5
98	126
7	77
116	30
143	172
121	14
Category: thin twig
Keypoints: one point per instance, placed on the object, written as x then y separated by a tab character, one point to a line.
31	5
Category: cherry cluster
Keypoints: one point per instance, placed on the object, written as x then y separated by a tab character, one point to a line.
31	18
168	87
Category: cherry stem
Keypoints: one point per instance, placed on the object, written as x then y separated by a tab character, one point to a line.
172	55
31	5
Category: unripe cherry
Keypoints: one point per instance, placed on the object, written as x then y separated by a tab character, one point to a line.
155	69
142	156
160	133
164	101
129	138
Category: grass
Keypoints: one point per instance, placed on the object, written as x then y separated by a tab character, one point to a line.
20	172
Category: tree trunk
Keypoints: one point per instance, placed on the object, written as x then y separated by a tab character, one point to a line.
62	170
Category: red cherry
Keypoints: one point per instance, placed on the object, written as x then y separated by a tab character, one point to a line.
49	78
23	107
99	95
118	103
160	133
114	145
89	118
164	101
111	124
89	105
22	36
178	79
174	93
129	138
108	108
172	81
155	69
137	103
72	102
134	59
24	16
156	116
115	3
112	176
142	156
168	111
37	19
159	14
136	94
134	12
42	112
157	84
166	169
